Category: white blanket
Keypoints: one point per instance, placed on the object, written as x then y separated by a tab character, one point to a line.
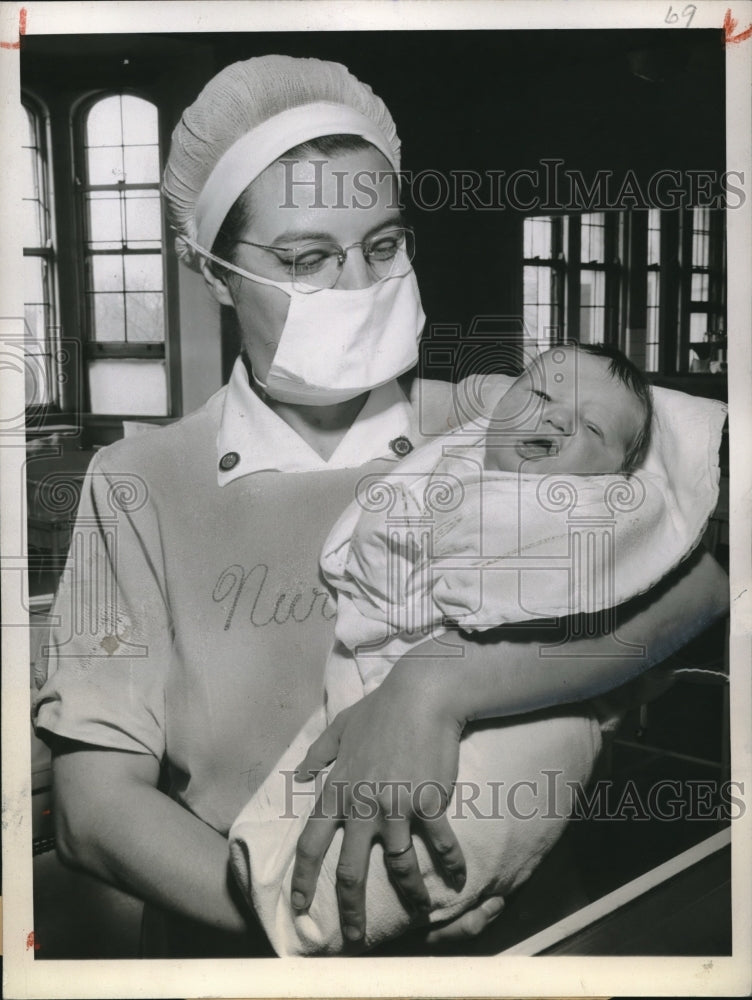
464	565
503	831
441	539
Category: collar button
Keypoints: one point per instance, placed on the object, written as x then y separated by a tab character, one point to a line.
229	461
401	446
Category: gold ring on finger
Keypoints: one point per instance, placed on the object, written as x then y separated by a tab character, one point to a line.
398	854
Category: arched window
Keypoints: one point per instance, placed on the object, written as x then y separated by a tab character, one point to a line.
40	313
123	262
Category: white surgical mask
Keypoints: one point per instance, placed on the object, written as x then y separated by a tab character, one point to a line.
339	343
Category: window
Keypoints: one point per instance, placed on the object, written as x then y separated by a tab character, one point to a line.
570	277
703	326
101	300
41	333
592	324
651	282
122	256
543	274
653	292
676	318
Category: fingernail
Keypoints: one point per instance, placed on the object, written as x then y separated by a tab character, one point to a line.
494	906
298	900
458	881
352	933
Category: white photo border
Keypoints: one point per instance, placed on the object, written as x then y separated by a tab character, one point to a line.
478	977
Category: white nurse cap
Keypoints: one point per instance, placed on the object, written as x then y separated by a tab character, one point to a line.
244	119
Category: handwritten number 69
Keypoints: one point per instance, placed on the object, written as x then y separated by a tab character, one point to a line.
688	13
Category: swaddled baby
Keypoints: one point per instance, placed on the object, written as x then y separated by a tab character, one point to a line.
477	527
543	503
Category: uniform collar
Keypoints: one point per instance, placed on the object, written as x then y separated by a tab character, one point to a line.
252	438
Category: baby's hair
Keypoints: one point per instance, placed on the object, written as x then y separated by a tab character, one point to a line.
625	371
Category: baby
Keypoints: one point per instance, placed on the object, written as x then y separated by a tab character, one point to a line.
473	533
532	508
582	410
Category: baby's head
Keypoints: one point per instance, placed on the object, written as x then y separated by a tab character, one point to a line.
580	409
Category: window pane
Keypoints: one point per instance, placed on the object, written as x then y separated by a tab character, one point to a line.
700	237
698	326
699	291
37	271
105	273
653	302
145	319
143	220
35	322
34	231
540	305
592	306
33	277
37	376
143	272
29	180
105	228
654	236
537	235
592	237
37	299
108	316
32	224
103	123
142	217
142	164
122	138
130	387
651	358
105	165
140	125
699	250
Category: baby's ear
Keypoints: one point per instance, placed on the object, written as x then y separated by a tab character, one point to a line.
217	285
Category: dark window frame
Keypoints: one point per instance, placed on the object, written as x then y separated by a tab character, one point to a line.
626	290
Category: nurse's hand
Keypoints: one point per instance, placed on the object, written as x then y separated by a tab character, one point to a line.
396	762
468	925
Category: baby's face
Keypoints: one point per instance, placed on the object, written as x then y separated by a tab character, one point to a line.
565	413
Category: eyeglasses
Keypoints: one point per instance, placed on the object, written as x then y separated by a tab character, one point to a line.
314	266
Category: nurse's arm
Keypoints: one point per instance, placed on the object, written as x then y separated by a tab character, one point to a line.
410	726
501	676
112	821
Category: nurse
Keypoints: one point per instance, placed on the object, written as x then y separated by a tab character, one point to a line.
194	626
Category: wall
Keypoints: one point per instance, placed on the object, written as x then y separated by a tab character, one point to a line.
200	343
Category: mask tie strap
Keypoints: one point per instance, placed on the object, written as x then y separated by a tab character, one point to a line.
238	270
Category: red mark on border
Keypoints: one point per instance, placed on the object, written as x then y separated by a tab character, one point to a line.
31	942
21	31
729	27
